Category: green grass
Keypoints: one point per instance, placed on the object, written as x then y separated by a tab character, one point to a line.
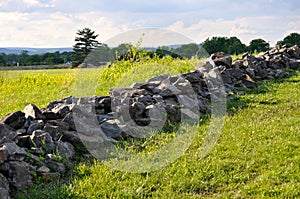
257	155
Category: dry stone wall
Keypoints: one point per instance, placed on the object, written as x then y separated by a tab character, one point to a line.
43	141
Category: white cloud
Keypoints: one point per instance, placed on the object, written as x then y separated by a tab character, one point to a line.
51	23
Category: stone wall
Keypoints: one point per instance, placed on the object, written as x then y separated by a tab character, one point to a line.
43	141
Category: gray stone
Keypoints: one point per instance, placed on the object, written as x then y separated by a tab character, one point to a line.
111	129
173	113
35	126
33	111
280	73
4	187
104	117
61	124
294	64
23	141
43	169
7	132
40	138
56	166
220	58
65	149
70	120
50	115
54	131
137	109
13	152
250	72
248	82
71	136
62	110
19	174
16	120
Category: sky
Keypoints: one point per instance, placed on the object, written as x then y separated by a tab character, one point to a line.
54	23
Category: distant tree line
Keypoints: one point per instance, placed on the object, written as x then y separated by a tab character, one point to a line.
24	59
86	42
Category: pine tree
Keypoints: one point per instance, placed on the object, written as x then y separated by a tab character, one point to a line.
85	42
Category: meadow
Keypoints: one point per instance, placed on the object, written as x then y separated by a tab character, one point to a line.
257	154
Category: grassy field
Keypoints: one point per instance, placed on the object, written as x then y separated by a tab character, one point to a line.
257	155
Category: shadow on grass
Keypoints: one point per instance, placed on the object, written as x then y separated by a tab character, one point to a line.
237	103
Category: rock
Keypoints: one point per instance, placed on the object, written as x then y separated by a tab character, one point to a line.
137	109
43	169
104	117
40	138
61	124
37	151
294	64
23	141
72	137
250	72
248	82
235	73
70	120
49	115
19	174
7	133
111	129
56	166
35	126
238	63
280	73
173	113
190	115
3	155
263	73
65	149
13	151
16	120
4	187
33	111
54	131
226	78
62	110
221	59
67	100
193	77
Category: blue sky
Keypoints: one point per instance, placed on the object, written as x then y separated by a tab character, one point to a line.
53	23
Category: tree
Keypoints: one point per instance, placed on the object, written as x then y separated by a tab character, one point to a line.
290	40
214	44
85	42
187	50
23	58
258	45
230	45
2	59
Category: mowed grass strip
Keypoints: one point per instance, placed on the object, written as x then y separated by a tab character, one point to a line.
257	156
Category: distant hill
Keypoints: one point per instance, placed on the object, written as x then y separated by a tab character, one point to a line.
32	51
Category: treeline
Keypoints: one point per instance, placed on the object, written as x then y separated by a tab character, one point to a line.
24	59
233	45
229	45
